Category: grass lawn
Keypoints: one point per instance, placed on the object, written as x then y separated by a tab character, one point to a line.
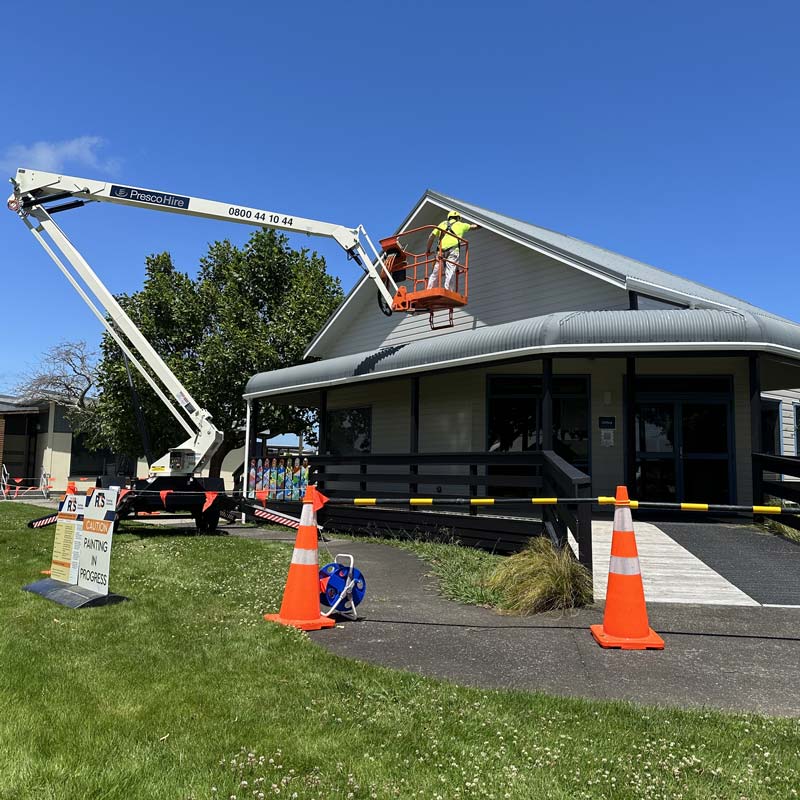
185	692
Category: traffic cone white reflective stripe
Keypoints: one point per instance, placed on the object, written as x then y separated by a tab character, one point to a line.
620	565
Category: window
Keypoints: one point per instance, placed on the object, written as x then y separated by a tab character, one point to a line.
683	384
797	430
514	413
646	303
90	463
770	427
349	431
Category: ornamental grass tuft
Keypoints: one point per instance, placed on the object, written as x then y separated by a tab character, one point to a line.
541	578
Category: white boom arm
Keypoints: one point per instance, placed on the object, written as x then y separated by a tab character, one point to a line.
33	188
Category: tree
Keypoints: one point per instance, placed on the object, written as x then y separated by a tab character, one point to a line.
67	375
250	309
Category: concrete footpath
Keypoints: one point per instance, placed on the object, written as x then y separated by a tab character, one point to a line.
739	658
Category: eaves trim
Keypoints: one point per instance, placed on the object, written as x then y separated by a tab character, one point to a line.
536	350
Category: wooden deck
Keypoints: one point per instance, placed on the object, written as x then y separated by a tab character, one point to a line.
670	573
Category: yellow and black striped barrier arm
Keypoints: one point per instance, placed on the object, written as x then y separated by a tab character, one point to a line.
716	508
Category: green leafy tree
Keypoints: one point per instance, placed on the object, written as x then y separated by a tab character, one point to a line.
250	309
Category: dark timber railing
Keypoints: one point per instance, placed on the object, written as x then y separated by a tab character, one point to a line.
561	479
459	475
767	472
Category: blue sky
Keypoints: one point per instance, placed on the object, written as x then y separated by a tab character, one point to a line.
666	132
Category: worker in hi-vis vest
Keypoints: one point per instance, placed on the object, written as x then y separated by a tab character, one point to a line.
449	249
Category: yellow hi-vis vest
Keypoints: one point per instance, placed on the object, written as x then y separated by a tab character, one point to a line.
457	227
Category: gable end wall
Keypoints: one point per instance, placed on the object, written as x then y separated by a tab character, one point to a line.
507	281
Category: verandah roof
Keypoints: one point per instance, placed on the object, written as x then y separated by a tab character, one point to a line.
682	330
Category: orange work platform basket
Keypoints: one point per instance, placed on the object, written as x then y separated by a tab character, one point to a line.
413	271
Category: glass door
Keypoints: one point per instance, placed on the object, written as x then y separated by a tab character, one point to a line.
683	451
705	464
656	452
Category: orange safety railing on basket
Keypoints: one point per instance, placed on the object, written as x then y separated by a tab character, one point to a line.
412	272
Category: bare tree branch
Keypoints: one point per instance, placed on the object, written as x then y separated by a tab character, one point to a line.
66	374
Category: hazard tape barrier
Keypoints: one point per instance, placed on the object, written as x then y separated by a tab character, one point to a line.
551	501
237	500
43	522
601	500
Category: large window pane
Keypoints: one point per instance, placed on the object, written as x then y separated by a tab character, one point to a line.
770	427
655	481
512	424
514	415
663	384
349	431
90	463
705	428
655	428
797	430
515	385
705	480
571	431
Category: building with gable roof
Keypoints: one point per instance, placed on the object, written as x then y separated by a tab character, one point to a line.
628	373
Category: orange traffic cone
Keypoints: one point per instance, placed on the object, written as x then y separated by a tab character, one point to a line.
300	606
625	622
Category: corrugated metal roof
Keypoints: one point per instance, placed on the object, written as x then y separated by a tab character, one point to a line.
576	331
10	404
606	262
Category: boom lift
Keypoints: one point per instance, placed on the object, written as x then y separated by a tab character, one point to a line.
178	470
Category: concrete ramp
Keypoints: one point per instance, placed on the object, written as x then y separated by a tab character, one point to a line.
670	573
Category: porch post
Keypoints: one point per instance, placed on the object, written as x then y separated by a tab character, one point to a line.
26	470
247	451
323	435
629	431
756	445
547	403
252	433
413	445
323	421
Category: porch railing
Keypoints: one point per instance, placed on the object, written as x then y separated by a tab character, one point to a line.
451	475
561	479
768	471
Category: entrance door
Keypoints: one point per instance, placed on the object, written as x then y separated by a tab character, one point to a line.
683	450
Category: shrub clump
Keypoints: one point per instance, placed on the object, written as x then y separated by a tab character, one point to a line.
541	578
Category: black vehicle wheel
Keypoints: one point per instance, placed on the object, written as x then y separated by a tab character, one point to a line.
207	521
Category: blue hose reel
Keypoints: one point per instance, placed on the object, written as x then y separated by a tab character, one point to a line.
342	587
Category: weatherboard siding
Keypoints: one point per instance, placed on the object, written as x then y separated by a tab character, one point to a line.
507	281
789	400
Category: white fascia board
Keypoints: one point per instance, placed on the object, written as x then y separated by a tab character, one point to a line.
624	348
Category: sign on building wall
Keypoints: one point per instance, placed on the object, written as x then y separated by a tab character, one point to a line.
68	539
98	529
